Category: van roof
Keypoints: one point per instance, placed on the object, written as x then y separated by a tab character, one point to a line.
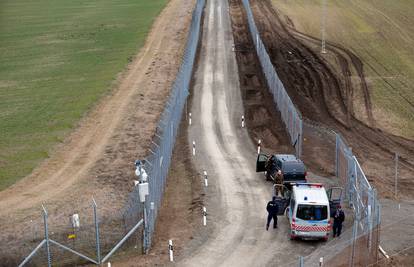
310	194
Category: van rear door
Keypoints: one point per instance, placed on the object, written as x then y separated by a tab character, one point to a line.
335	198
312	220
261	162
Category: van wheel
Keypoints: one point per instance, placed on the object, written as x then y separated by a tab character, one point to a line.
325	239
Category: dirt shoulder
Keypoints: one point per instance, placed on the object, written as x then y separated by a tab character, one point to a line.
96	159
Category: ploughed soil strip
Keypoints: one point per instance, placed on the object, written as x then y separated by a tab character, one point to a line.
262	119
323	93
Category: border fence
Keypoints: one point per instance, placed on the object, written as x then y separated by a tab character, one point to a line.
361	249
97	239
290	115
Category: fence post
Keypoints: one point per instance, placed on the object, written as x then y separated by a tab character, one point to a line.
97	240
336	155
354	237
49	258
300	261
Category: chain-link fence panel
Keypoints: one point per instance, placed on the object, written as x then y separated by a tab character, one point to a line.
94	238
290	115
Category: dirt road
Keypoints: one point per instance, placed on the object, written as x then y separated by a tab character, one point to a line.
236	197
97	158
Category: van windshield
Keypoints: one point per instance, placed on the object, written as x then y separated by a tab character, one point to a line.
312	212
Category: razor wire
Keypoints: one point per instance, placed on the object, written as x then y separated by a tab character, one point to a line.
94	240
289	113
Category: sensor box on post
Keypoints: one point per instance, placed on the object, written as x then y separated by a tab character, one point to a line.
143	190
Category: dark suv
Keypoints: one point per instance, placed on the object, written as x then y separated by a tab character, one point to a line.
292	168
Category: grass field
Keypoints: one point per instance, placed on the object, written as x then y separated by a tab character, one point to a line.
57	58
381	33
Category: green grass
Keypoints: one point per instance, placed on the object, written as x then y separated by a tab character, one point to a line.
58	57
381	33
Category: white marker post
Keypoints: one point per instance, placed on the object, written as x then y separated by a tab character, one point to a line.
193	148
204	216
109	264
259	144
320	261
205	179
171	250
242	122
189	118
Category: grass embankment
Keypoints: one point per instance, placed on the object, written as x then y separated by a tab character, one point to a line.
57	58
381	33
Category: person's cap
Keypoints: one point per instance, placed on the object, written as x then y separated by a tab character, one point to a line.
279	171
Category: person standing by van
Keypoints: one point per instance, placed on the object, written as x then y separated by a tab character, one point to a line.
279	181
339	218
272	210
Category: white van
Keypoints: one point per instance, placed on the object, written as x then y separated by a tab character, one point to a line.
308	212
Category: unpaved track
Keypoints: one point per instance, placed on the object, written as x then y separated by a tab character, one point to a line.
97	158
236	196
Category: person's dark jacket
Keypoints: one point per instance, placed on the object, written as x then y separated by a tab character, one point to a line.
272	207
339	217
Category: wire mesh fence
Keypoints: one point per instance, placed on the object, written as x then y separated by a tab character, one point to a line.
362	247
96	238
290	115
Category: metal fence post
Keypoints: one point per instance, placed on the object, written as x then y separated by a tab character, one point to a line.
95	218
300	261
49	258
145	230
354	237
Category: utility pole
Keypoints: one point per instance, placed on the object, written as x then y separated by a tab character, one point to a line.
323	51
396	174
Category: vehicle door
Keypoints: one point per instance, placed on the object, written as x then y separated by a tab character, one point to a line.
312	220
261	162
282	201
335	198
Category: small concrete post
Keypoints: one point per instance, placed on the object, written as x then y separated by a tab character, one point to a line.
259	144
171	250
189	118
205	179
194	148
242	121
204	216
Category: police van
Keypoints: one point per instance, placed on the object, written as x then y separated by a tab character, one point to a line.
308	211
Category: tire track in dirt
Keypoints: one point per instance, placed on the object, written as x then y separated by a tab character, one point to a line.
329	101
97	158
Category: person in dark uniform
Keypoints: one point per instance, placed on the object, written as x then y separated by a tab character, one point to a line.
339	218
272	209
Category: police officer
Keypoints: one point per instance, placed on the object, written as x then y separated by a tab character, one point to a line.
339	218
272	210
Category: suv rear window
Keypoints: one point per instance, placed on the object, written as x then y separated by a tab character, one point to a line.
312	212
293	167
